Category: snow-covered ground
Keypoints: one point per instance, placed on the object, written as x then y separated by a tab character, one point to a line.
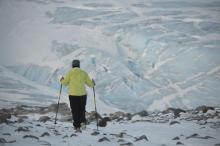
157	134
165	130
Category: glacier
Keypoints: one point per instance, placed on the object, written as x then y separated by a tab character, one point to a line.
143	54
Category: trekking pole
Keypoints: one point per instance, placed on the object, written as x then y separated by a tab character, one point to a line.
58	104
96	114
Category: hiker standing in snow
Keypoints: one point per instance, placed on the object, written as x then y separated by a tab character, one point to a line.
76	79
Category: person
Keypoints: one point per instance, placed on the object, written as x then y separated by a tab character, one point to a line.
76	79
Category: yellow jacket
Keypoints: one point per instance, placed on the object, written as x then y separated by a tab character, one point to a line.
76	79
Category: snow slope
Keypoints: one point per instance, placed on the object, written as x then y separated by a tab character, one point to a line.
143	54
16	90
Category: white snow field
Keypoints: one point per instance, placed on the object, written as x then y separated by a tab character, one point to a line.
143	54
157	134
33	128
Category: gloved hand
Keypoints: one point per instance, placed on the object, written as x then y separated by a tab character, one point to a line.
62	78
93	82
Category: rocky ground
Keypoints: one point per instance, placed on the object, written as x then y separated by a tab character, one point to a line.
26	125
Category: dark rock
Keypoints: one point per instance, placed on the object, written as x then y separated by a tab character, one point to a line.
120	135
176	138
31	136
103	121
174	122
204	108
199	137
52	108
2	140
38	125
92	116
24	129
117	115
10	122
73	135
63	108
45	134
126	144
103	139
175	111
6	134
107	119
42	110
13	141
192	136
128	116
143	137
44	143
24	106
65	136
179	143
119	119
44	119
4	115
142	113
95	133
217	144
22	117
206	137
202	122
20	110
121	140
20	120
56	132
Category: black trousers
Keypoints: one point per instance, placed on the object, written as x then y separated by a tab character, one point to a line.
78	107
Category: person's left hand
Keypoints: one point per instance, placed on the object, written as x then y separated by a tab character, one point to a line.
93	81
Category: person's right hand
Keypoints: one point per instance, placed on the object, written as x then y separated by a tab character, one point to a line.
62	78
